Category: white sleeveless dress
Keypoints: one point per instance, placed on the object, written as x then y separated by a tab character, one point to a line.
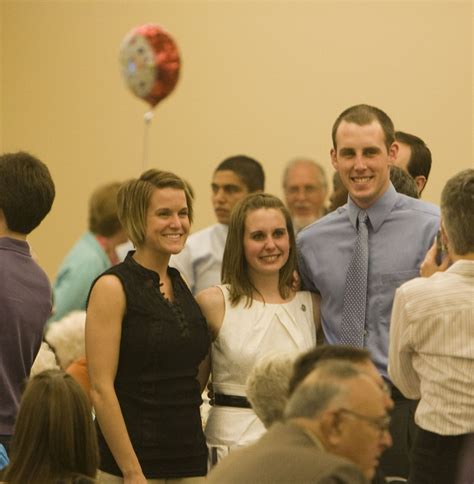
248	334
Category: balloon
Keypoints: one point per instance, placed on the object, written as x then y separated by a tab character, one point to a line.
150	63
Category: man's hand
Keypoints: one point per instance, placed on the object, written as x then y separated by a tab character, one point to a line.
429	266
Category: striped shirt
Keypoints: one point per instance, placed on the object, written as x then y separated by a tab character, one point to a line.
431	353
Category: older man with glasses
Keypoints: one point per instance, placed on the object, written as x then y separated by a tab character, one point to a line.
335	429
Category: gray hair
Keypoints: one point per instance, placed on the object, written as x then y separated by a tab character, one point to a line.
320	388
457	208
267	387
305	161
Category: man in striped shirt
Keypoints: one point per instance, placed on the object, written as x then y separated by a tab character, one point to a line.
431	355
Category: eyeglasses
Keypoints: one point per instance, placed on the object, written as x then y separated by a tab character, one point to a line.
382	424
305	190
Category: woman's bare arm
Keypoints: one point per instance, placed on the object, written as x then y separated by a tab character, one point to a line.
211	302
103	333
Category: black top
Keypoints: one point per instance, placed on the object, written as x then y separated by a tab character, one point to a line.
161	346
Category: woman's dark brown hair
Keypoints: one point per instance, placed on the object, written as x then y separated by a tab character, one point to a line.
234	264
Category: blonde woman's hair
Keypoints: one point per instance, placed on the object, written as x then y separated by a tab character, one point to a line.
134	199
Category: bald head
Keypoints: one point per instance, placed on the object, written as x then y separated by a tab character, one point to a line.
345	409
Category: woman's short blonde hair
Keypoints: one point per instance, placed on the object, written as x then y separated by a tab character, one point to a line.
134	199
234	264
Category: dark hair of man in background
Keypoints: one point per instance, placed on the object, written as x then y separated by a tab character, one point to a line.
26	191
249	171
420	159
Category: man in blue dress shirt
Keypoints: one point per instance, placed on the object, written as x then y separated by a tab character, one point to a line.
400	232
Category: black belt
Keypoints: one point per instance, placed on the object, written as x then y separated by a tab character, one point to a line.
231	401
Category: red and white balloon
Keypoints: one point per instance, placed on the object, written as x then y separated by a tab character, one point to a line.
150	63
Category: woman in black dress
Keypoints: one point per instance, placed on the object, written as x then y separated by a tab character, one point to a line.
147	344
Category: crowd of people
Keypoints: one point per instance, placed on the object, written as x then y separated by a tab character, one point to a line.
336	343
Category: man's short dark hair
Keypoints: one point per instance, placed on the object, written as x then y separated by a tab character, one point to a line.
419	163
306	363
403	182
26	191
457	210
250	171
363	114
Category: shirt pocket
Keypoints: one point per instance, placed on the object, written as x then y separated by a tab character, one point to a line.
389	283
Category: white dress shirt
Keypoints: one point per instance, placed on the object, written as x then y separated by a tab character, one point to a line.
200	261
431	353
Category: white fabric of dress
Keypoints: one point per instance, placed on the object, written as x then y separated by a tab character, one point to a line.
248	334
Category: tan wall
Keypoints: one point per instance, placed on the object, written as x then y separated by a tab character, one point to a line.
262	78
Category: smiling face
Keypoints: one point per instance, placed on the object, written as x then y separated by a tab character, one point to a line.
266	241
363	161
227	189
167	221
305	193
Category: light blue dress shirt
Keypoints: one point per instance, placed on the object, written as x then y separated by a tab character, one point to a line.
3	457
86	261
401	230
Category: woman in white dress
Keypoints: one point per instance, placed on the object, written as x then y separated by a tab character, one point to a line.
255	312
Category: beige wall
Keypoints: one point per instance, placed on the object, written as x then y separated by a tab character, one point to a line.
265	78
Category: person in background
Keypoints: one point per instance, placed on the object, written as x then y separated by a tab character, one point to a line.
432	337
200	261
55	440
339	193
335	428
267	387
26	196
403	182
256	311
414	157
91	255
147	344
305	187
3	457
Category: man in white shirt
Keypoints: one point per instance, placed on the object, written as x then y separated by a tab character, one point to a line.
431	353
201	259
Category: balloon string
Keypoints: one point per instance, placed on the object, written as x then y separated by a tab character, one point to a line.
147	118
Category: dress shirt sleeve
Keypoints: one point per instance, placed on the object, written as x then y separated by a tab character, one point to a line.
400	367
184	263
305	274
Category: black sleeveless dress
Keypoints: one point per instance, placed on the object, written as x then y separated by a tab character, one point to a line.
161	346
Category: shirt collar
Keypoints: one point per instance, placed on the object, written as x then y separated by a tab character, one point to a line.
377	212
463	267
16	245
